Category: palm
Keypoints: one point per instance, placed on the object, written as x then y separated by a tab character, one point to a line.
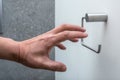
35	52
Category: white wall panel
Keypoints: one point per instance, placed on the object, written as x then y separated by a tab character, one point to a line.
82	63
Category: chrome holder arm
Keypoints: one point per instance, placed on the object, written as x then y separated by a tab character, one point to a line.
93	18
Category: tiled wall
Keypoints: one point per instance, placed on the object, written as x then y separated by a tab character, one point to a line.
24	19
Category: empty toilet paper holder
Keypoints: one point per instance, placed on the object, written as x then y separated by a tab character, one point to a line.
93	18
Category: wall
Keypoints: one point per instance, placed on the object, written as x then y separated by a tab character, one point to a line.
82	63
24	19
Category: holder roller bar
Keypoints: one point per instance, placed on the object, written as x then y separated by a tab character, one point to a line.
93	18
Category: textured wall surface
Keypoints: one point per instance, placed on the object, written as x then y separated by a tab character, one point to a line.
23	19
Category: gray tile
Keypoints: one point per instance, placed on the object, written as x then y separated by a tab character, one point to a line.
23	19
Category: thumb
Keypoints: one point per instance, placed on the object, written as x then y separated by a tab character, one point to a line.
55	66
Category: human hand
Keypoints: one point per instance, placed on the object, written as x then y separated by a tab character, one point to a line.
35	52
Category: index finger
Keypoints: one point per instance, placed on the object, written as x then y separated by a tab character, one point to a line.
67	27
68	35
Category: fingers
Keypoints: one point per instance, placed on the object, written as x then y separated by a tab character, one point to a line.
68	35
54	66
67	27
74	40
61	46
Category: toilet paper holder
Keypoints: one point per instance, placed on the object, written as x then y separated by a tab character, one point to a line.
93	18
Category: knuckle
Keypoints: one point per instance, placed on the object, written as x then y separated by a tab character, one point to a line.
66	34
65	25
49	40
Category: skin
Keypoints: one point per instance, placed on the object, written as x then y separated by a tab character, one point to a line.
34	52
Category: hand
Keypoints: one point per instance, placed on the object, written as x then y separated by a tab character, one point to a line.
35	52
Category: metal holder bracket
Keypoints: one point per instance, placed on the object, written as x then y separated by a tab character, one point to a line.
93	18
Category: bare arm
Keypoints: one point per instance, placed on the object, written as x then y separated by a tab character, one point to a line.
9	49
34	52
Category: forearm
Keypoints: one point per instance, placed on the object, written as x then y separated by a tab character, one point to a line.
9	49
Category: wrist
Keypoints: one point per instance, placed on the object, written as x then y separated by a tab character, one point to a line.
9	49
15	51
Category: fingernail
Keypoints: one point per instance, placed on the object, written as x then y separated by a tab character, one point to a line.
86	34
83	28
63	68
